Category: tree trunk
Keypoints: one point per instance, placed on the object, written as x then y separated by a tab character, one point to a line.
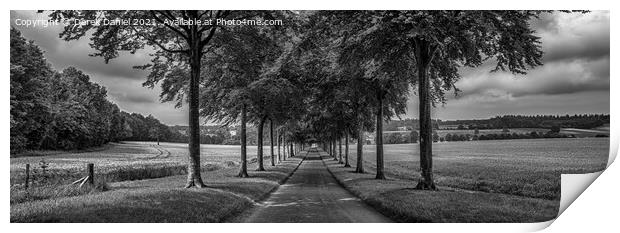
292	149
379	137
273	156
279	139
244	156
346	150
335	153
340	150
423	58
284	148
330	148
261	126
360	146
193	168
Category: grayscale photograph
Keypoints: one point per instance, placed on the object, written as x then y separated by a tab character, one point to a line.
304	116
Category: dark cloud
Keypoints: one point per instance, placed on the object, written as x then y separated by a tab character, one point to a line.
569	36
546	22
550	79
573	79
124	84
76	53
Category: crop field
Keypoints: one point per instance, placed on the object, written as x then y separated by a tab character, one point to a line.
603	130
525	167
128	156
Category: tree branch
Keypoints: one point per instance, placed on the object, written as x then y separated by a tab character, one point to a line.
169	26
171	16
208	38
162	47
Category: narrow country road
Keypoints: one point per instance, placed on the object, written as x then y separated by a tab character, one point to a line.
312	195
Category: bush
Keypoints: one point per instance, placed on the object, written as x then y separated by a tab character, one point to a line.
414	136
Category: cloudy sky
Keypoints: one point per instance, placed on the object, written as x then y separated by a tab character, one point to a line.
573	80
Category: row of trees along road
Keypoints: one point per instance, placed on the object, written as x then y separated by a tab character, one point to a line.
320	76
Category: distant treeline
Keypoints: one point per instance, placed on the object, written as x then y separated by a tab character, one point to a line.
413	136
65	110
498	136
580	121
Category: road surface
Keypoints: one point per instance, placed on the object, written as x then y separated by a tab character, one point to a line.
311	194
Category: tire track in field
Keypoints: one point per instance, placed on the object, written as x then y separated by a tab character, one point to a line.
160	154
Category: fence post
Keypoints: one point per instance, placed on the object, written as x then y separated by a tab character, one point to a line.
91	173
27	175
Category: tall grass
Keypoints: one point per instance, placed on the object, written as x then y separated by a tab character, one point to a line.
55	191
58	183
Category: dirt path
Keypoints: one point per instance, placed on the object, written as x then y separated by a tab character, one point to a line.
312	195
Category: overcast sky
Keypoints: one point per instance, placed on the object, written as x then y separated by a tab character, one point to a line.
573	80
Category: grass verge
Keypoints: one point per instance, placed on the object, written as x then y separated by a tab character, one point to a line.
162	199
397	199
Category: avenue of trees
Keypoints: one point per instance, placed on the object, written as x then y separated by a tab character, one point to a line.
321	77
388	53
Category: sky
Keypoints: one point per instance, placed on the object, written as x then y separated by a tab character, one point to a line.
573	80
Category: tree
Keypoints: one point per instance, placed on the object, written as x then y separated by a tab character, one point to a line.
61	110
243	171
233	71
271	143
29	72
346	150
340	150
442	41
365	66
414	136
176	46
386	69
259	136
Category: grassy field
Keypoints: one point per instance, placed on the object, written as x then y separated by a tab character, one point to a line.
479	181
397	199
114	162
525	167
162	199
517	180
603	130
128	157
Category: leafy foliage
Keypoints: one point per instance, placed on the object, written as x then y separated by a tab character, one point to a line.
65	110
